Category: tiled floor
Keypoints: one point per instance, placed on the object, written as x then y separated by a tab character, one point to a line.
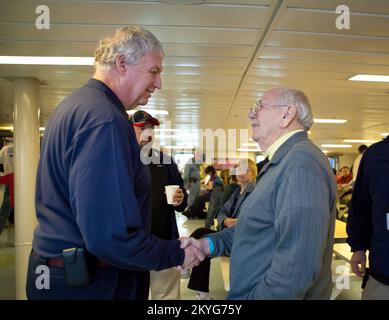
186	227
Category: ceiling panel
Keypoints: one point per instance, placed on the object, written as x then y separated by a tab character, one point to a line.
137	13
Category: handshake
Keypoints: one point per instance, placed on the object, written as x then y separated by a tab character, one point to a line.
195	251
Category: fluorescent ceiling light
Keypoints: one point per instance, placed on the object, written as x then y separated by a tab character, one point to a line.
329	120
183	73
55	61
250	145
151	111
6	128
385	134
167	130
361	141
370	77
248	150
11	128
336	146
186	65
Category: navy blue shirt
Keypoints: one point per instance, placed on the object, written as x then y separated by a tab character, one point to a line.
367	225
92	190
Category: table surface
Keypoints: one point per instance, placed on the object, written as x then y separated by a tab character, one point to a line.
340	230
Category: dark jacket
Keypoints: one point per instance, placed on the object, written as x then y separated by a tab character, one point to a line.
226	211
174	178
367	225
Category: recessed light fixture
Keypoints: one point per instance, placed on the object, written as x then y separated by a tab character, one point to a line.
329	120
370	78
384	134
54	61
151	111
336	146
359	141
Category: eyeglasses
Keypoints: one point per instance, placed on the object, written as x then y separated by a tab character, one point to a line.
258	106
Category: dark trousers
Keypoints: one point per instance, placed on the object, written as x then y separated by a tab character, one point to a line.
108	284
199	277
5	208
197	208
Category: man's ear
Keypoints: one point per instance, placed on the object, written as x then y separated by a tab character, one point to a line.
289	115
121	65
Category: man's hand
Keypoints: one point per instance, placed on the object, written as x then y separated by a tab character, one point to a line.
193	256
229	222
178	197
358	258
200	244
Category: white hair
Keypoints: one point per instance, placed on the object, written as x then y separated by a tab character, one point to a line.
298	99
131	42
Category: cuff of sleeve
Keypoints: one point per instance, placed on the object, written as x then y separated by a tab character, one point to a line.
211	245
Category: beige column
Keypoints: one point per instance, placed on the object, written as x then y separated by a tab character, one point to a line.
26	150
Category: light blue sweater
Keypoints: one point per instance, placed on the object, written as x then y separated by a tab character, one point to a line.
281	247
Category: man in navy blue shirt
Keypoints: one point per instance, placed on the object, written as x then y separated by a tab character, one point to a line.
93	191
368	222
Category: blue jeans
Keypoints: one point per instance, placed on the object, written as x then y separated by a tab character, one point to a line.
109	283
5	209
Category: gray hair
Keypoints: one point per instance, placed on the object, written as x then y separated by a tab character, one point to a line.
298	99
131	42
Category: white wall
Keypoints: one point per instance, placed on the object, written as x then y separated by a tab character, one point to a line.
347	160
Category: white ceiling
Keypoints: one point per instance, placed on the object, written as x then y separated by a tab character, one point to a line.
221	55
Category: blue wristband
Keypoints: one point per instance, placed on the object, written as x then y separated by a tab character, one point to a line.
211	245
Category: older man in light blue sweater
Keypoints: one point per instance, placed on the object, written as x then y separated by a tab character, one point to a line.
281	247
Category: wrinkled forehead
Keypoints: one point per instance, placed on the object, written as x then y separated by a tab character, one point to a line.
269	97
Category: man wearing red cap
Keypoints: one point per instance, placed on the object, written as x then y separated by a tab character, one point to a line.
164	284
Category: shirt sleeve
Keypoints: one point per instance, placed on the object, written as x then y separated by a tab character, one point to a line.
222	241
359	224
302	224
103	198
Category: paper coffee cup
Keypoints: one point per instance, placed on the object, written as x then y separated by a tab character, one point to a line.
170	190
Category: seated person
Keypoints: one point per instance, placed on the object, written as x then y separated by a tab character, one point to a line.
345	176
344	181
219	197
196	210
230	188
227	218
